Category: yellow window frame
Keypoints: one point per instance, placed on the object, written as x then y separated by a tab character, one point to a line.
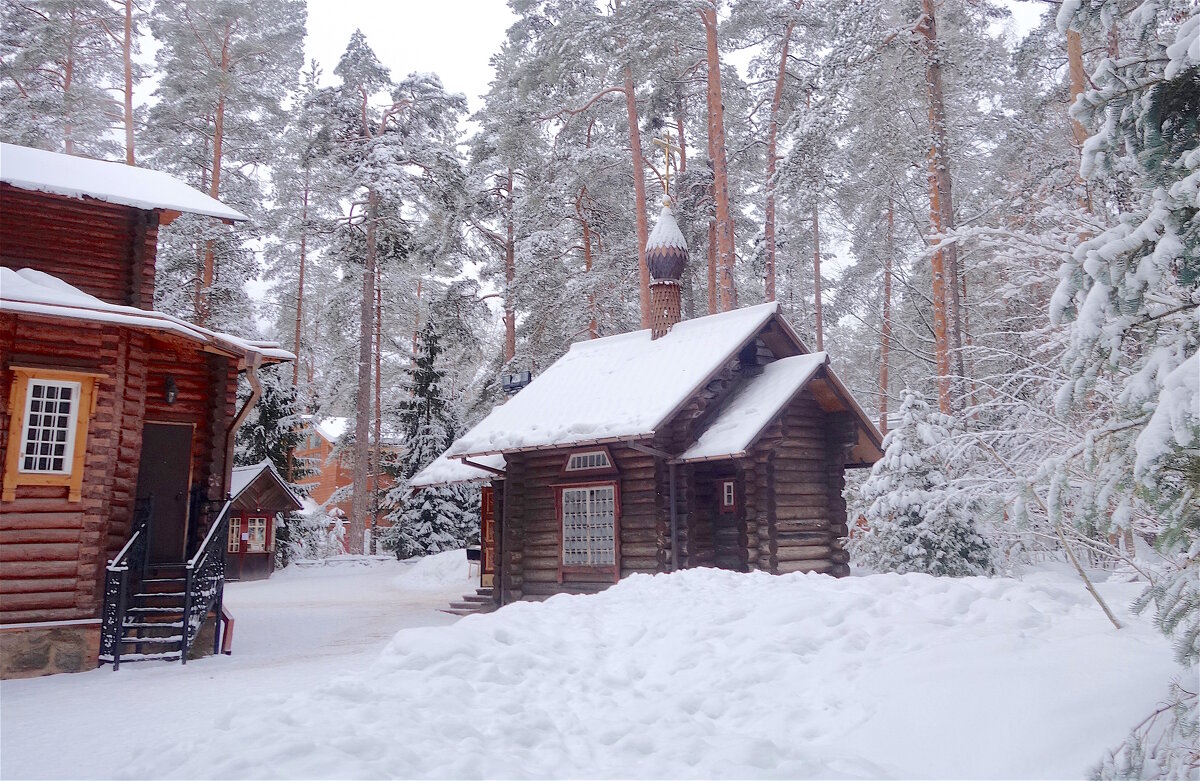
73	480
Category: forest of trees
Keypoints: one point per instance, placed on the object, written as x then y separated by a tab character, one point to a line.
1004	224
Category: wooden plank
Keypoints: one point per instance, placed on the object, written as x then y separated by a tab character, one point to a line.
37	552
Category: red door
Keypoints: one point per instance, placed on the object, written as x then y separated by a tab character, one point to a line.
487	534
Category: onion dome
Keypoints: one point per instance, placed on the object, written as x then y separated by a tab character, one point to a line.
666	250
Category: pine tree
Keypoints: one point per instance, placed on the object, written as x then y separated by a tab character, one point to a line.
227	69
916	522
59	60
435	519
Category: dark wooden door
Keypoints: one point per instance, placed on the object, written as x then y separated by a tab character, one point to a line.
165	472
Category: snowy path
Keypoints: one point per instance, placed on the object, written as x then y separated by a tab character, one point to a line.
294	631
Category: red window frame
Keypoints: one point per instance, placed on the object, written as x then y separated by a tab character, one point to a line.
722	485
615	569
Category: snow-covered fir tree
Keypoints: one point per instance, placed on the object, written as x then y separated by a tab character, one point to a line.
916	521
1131	295
434	519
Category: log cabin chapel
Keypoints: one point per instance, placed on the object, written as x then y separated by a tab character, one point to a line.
117	422
718	441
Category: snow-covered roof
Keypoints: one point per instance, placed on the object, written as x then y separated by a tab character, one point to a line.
242	476
666	232
753	406
79	177
331	428
37	293
619	387
450	471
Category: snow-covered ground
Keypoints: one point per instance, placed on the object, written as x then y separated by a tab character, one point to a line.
698	674
295	631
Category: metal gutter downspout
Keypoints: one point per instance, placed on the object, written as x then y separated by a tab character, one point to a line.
253	361
653	451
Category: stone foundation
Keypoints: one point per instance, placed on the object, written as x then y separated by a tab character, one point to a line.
30	650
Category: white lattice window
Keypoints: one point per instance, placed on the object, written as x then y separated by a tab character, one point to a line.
235	534
48	434
257	529
589	526
591	459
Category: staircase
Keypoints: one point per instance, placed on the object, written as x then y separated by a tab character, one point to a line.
154	618
479	602
156	611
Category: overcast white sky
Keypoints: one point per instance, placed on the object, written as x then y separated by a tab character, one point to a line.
452	38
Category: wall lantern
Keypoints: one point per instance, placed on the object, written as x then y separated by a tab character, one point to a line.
511	383
171	389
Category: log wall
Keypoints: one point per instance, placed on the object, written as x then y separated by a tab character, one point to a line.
799	464
110	248
531	534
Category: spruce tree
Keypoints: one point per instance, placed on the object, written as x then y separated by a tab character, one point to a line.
271	432
435	519
916	522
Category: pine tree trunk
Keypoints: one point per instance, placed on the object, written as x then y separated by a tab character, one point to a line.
417	322
944	264
510	275
716	132
772	159
127	53
210	264
885	340
712	267
300	282
639	196
68	78
593	323
360	500
377	443
817	312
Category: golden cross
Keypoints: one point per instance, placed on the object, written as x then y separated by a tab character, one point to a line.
667	148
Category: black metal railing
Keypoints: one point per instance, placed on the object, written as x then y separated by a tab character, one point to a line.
204	584
122	577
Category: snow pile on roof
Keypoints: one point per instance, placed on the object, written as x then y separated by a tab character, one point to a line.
712	674
242	476
332	428
666	232
36	293
450	471
614	388
448	570
753	406
76	177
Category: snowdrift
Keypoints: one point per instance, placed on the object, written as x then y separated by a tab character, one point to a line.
707	673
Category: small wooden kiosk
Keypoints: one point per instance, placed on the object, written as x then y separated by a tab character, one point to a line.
260	497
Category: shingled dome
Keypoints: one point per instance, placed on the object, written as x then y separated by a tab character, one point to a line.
666	250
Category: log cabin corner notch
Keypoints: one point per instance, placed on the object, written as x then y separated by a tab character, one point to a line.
116	421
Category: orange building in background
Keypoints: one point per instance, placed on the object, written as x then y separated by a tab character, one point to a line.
333	468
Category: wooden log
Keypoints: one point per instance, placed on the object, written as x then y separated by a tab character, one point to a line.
786	567
46	600
36	585
803	552
37	536
58	614
37	552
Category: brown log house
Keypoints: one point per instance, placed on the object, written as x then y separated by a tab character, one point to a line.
117	422
720	441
